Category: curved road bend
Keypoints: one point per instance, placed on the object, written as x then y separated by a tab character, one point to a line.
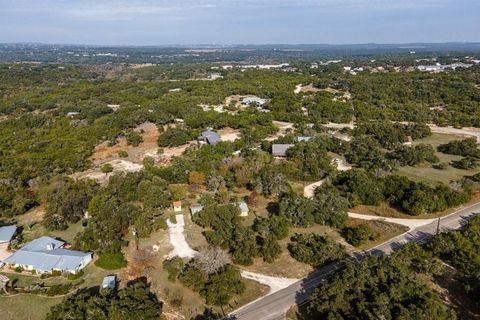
274	305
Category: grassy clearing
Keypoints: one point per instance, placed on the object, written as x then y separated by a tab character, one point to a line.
285	265
25	306
426	173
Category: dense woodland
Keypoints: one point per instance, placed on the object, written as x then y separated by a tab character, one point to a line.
52	116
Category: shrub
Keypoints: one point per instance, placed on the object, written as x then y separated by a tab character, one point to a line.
315	249
111	261
359	235
122	154
59	289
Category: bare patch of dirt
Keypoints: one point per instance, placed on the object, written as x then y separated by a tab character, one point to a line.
229	134
103	152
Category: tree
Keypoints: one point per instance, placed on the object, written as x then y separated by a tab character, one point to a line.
66	201
316	250
135	302
133	138
106	168
196	178
330	207
211	260
358	235
385	287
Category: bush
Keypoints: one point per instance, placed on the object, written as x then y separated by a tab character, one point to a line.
111	261
18	269
173	137
466	163
123	154
466	148
75	276
358	235
59	289
174	267
133	138
315	249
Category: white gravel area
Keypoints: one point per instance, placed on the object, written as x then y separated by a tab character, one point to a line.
177	239
275	283
410	223
467	131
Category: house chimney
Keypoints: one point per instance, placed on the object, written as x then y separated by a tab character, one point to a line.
50	246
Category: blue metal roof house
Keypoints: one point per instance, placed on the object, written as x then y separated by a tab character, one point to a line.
210	137
46	254
7	233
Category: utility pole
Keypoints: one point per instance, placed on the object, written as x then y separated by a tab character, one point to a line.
438	226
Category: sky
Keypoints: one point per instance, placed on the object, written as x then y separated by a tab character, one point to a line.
168	22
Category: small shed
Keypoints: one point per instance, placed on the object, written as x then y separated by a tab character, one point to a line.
177	206
280	150
303	139
109	282
195	209
243	208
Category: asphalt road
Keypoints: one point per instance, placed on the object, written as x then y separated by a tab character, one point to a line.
273	306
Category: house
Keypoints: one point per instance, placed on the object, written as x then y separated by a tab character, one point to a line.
303	138
47	254
7	233
243	208
177	206
259	102
195	209
242	205
280	150
211	137
109	282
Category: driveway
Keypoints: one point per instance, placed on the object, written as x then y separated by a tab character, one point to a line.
4	253
177	239
410	223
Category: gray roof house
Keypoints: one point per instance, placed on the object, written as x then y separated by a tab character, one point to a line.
210	137
46	254
7	233
109	282
280	150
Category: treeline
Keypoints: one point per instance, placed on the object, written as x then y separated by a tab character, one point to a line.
135	301
395	286
360	187
386	287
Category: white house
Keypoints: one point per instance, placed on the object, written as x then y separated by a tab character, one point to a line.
46	254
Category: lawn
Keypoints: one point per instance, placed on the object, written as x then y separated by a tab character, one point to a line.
426	173
26	306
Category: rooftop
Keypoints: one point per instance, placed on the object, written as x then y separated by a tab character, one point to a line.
45	254
280	150
6	233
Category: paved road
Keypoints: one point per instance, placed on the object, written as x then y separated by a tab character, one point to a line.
273	306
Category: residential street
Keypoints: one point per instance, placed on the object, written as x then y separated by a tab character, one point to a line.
274	305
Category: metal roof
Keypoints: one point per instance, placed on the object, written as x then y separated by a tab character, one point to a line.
243	206
45	254
6	233
211	137
109	282
280	150
195	209
302	138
